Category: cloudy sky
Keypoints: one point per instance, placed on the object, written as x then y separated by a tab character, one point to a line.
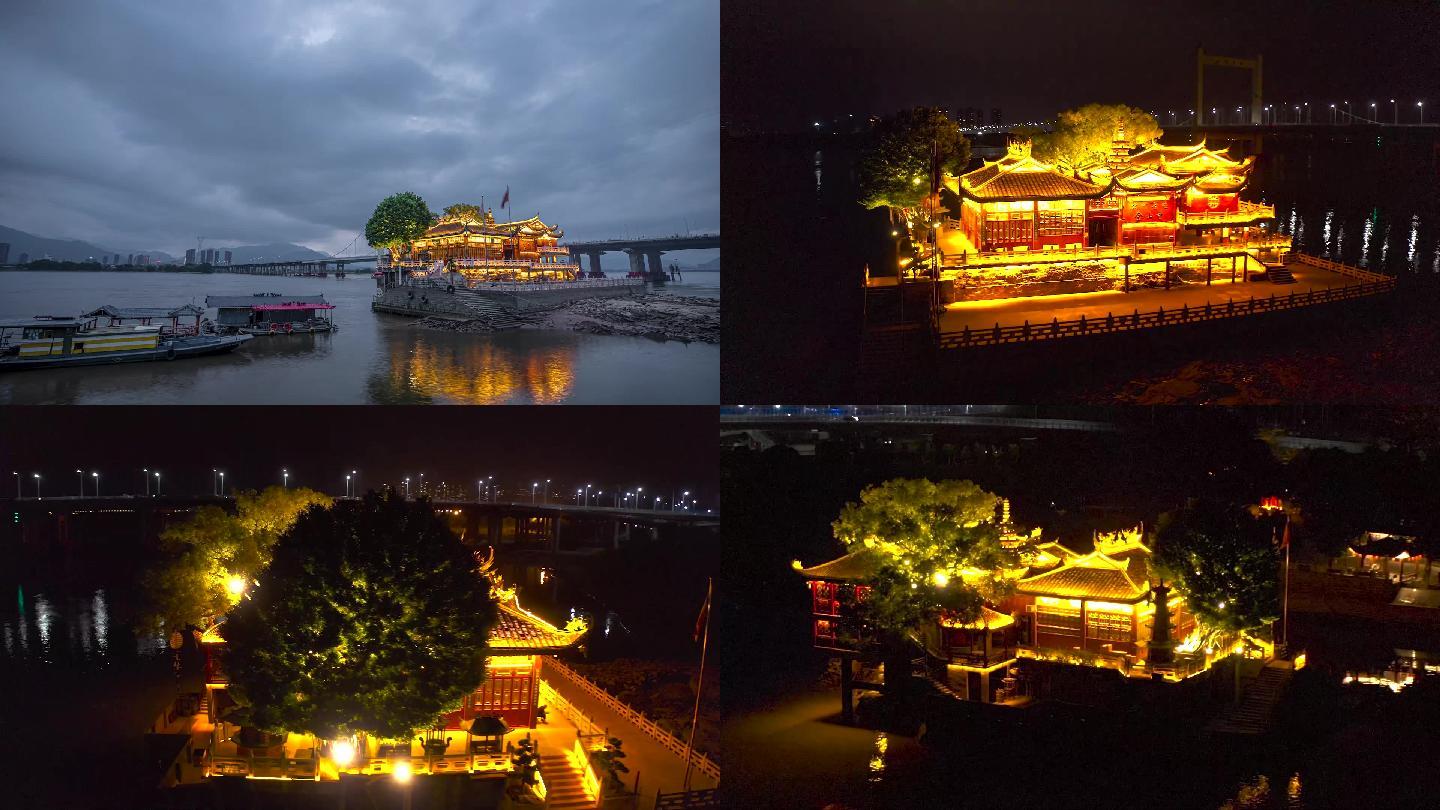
140	124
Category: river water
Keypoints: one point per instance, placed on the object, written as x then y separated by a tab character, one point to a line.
372	359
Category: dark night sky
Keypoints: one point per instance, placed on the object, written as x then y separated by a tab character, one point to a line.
824	58
658	448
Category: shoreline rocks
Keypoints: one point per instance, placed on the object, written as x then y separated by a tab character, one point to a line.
687	319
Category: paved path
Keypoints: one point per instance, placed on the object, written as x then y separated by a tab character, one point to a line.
660	769
1041	309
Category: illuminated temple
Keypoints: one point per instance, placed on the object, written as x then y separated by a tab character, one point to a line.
1099	609
477	247
1149	216
507	696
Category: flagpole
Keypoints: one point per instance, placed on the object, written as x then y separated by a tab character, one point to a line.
1285	605
699	685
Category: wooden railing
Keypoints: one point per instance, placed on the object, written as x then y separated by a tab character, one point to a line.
1342	269
1111	323
1249	212
1138	253
688	800
702	762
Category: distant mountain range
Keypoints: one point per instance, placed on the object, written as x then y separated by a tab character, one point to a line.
72	250
273	252
75	250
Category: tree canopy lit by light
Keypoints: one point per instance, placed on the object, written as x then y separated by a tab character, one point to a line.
1085	134
191	583
398	220
942	548
1224	561
895	169
372	617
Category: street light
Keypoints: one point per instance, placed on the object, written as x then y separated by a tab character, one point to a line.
407	487
1349	119
285	478
81	479
157	483
1421	105
37	486
96	476
657	504
1332	113
1397	111
236	585
222	484
587	494
146	470
17	484
347	486
532	492
355	487
214	485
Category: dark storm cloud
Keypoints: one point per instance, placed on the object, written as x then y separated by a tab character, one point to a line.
141	124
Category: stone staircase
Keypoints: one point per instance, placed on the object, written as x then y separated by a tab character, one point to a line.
1257	706
492	313
1279	274
564	786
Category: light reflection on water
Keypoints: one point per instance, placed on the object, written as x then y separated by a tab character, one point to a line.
372	359
60	629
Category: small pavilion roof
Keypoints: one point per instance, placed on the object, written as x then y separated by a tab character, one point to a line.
858	566
182	311
991	619
1093	576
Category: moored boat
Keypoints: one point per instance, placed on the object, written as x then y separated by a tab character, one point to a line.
50	342
271	314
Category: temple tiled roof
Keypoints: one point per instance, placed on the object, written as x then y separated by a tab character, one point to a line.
520	632
1094	576
992	619
1221	181
857	566
1032	185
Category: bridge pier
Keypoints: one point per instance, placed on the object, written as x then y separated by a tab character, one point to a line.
637	261
594	260
657	270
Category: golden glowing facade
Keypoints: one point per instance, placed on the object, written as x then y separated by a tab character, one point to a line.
479	248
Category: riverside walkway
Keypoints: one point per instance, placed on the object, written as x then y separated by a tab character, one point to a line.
1035	318
660	768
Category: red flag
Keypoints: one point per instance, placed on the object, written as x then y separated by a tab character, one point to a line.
702	618
506	200
1285	538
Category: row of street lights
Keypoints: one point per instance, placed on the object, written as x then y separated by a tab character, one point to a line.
1275	113
80	482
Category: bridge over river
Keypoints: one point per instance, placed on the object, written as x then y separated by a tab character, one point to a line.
70	521
641	249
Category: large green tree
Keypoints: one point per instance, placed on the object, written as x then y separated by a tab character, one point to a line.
895	168
940	547
398	220
1225	561
206	561
372	617
1084	134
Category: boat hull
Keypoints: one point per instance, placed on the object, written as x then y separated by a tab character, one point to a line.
176	350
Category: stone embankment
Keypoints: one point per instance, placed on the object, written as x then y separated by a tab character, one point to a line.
658	317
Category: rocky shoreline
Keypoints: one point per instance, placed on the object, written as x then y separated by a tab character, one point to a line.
687	319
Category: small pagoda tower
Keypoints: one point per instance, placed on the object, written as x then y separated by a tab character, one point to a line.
1120	147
